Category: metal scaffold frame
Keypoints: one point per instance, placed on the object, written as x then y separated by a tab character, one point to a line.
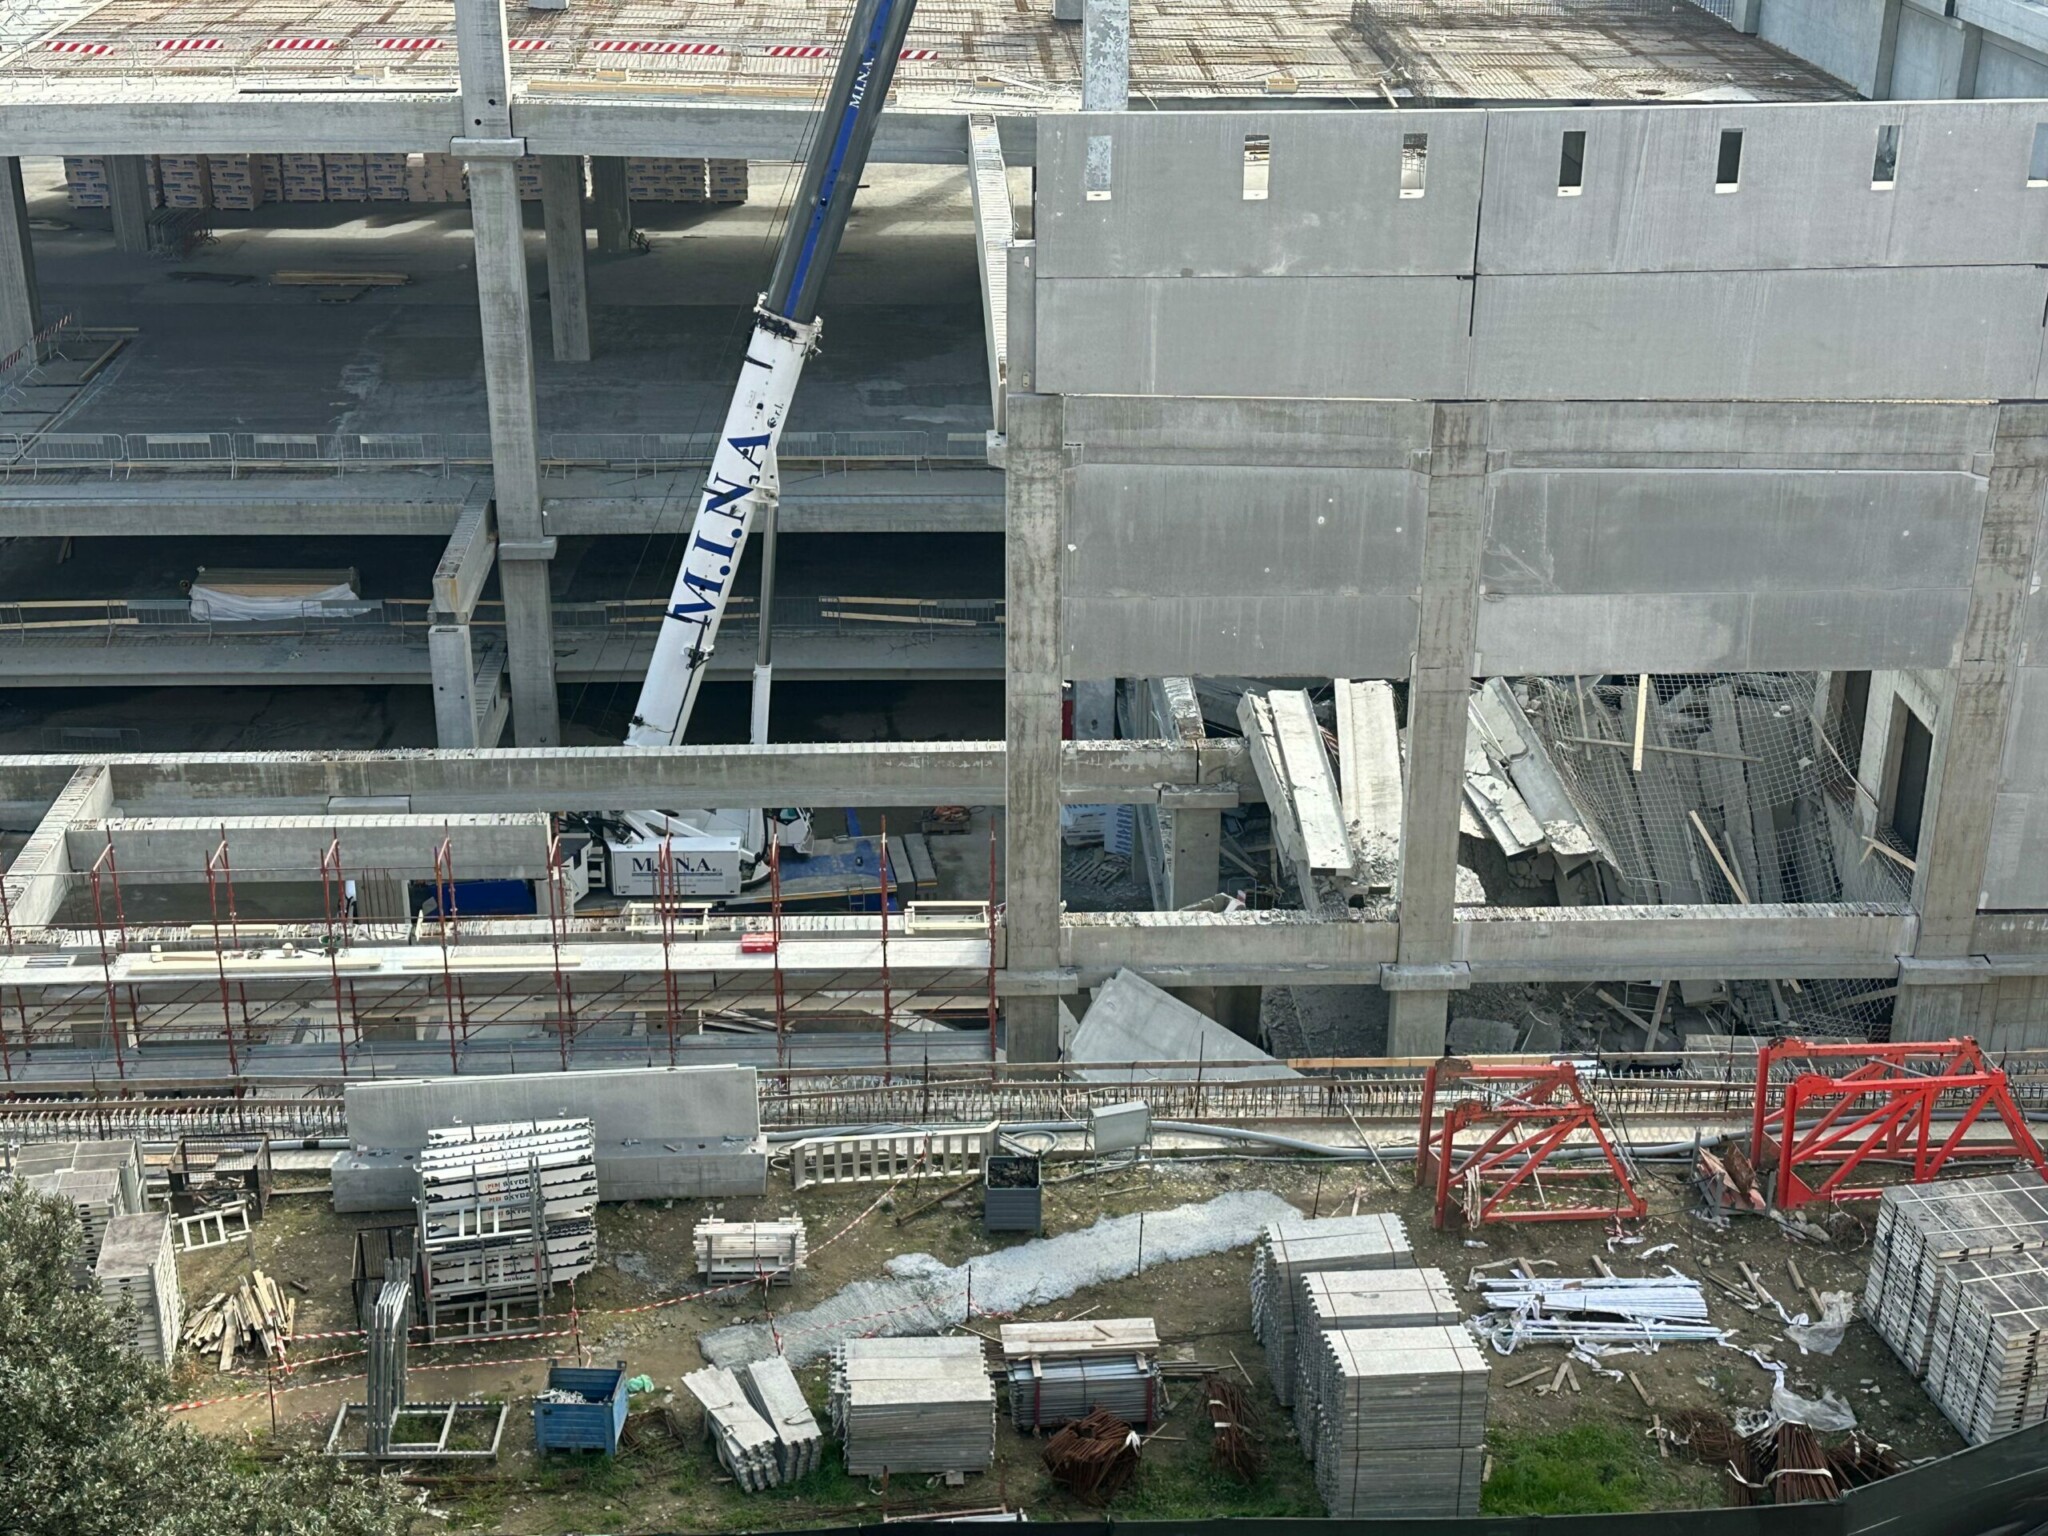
1529	1114
1911	1103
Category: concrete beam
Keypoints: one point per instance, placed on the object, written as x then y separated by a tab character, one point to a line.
453	661
466	563
87	118
1287	756
995	226
1369	765
781	131
561	200
40	877
1037	488
611	208
21	307
170	850
1438	686
603	778
128	194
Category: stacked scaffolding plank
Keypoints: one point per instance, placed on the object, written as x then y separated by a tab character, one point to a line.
138	1277
744	1441
1400	1421
1062	1371
1387	1298
102	1180
507	1209
771	1251
772	1390
913	1405
1958	1287
1300	1245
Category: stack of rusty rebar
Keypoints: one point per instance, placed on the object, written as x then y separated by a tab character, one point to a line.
1094	1458
1233	1447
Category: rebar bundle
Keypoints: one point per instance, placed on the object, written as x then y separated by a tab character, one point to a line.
1094	1458
1233	1447
1859	1460
1799	1469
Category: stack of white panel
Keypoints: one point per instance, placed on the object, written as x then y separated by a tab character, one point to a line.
913	1405
1373	1298
1301	1245
1958	1287
745	1442
1400	1422
750	1250
138	1271
772	1389
1062	1371
507	1207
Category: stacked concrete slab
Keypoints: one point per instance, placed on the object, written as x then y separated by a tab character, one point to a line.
1132	1020
745	1442
914	1405
101	1179
662	1132
1400	1422
1298	1246
1386	1298
138	1276
771	1387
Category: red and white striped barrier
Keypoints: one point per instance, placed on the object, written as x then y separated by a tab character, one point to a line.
190	44
80	50
408	44
648	45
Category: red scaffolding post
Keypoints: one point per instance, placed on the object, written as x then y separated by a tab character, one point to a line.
775	929
558	923
218	870
107	862
334	905
446	921
1527	1114
888	995
1882	1109
665	906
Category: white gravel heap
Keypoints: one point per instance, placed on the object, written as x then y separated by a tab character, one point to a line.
924	1296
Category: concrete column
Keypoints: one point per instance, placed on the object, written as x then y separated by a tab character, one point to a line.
1036	503
1192	842
1966	67
1748	16
1105	55
1422	979
611	209
561	202
1887	51
524	548
21	308
128	191
454	663
1941	982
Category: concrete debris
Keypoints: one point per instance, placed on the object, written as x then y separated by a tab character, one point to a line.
924	1296
1132	1020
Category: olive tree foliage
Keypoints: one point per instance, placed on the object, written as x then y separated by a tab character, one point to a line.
87	1450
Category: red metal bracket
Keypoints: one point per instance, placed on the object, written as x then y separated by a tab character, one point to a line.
1881	1109
1528	1114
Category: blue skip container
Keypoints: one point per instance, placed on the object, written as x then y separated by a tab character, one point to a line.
593	1424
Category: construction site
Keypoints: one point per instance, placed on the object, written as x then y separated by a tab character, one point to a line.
776	766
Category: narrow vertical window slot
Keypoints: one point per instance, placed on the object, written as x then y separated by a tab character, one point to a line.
1258	166
1095	177
1884	165
1414	163
1728	164
1571	163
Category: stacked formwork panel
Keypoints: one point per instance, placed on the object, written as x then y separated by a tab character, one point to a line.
137	1275
1400	1422
1386	1298
913	1405
1301	1245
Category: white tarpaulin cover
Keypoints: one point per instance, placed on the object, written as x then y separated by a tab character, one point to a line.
224	596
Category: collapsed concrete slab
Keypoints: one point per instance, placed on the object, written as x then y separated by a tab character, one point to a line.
1132	1020
662	1132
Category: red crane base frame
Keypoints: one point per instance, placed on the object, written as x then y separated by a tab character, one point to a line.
1532	1113
1882	1110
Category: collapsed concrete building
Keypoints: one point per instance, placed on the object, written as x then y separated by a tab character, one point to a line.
1636	456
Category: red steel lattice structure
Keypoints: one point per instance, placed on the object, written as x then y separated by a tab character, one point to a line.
1893	1104
1528	1114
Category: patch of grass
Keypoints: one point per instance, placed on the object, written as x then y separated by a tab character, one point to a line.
1589	1469
1187	1488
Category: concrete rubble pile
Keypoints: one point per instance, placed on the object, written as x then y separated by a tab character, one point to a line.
772	1389
1386	1298
745	1444
1400	1422
1062	1371
138	1277
1295	1246
1958	1287
913	1405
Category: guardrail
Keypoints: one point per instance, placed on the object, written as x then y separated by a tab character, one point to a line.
122	454
108	619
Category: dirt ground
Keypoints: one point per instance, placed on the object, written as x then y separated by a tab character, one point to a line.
1202	1309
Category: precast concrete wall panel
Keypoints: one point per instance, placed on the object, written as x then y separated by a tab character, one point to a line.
1839	36
1929	436
1363	337
2006	72
1333	204
1272	433
1927	60
1804	198
1969	333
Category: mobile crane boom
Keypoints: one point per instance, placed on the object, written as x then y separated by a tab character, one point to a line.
786	331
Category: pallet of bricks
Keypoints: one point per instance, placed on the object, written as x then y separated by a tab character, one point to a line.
103	1180
1062	1371
725	181
651	180
1958	1287
137	1275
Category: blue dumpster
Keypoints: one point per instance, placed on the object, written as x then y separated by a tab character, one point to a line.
583	1409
